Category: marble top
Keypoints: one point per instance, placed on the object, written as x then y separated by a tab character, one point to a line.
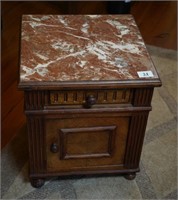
82	48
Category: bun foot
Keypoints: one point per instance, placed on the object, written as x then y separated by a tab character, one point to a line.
37	182
130	176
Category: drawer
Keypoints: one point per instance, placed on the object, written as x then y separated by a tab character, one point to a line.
86	143
90	97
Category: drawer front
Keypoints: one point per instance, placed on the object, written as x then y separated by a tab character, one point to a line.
86	143
100	96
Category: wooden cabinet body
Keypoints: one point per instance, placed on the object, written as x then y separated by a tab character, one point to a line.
65	138
90	123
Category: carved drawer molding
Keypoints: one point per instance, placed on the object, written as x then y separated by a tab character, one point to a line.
78	97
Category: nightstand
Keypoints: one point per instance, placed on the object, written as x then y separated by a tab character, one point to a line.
88	82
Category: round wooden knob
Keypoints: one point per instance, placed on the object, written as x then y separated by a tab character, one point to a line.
54	148
90	101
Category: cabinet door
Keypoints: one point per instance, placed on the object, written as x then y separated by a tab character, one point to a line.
86	143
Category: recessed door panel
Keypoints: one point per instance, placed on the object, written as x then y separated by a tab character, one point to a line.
86	143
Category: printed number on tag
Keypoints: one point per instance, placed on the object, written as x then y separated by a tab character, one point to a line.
145	74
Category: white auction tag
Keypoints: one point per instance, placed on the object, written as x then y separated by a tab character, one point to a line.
145	74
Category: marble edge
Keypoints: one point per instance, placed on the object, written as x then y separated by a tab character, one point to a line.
147	50
79	14
35	85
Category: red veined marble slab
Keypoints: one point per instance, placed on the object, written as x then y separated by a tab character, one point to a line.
82	48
